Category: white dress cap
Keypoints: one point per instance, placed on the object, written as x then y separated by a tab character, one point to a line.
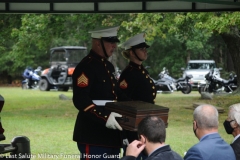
135	41
106	32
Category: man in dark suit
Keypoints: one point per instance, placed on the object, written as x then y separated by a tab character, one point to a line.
211	146
232	126
152	135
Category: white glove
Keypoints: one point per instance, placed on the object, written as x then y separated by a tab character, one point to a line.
125	142
112	123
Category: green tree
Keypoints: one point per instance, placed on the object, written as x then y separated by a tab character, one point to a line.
38	33
182	35
225	24
7	23
167	53
179	39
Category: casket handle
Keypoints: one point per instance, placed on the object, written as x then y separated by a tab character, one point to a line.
124	119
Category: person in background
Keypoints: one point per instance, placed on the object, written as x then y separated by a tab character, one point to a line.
134	80
211	146
232	126
96	131
152	135
27	73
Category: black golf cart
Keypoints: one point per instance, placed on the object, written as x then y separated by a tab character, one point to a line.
63	61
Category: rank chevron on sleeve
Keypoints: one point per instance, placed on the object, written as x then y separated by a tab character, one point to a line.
82	80
123	84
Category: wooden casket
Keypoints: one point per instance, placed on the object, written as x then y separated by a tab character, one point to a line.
134	111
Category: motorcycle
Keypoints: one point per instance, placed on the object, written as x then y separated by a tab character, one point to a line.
31	78
215	84
163	86
181	84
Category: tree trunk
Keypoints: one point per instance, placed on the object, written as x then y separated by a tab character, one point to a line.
232	41
188	55
220	55
230	67
217	55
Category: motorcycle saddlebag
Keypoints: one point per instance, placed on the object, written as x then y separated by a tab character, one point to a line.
134	111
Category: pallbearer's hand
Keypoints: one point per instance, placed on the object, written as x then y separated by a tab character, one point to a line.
112	122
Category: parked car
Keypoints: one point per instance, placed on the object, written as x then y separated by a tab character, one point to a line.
63	61
198	69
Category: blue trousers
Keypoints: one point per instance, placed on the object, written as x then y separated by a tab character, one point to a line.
89	152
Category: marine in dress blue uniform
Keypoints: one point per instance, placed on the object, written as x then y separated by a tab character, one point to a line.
135	81
96	130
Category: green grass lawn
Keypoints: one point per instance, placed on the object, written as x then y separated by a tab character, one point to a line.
48	122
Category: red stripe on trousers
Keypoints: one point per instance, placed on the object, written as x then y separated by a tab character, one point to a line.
87	151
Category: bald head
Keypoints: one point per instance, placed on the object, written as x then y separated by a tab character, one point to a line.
206	117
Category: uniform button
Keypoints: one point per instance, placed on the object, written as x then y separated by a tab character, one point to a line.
108	71
113	91
105	116
139	67
105	65
146	76
111	77
104	81
99	112
153	87
143	72
102	59
153	94
94	110
150	81
113	84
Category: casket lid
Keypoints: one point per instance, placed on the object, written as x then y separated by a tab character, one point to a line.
136	106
